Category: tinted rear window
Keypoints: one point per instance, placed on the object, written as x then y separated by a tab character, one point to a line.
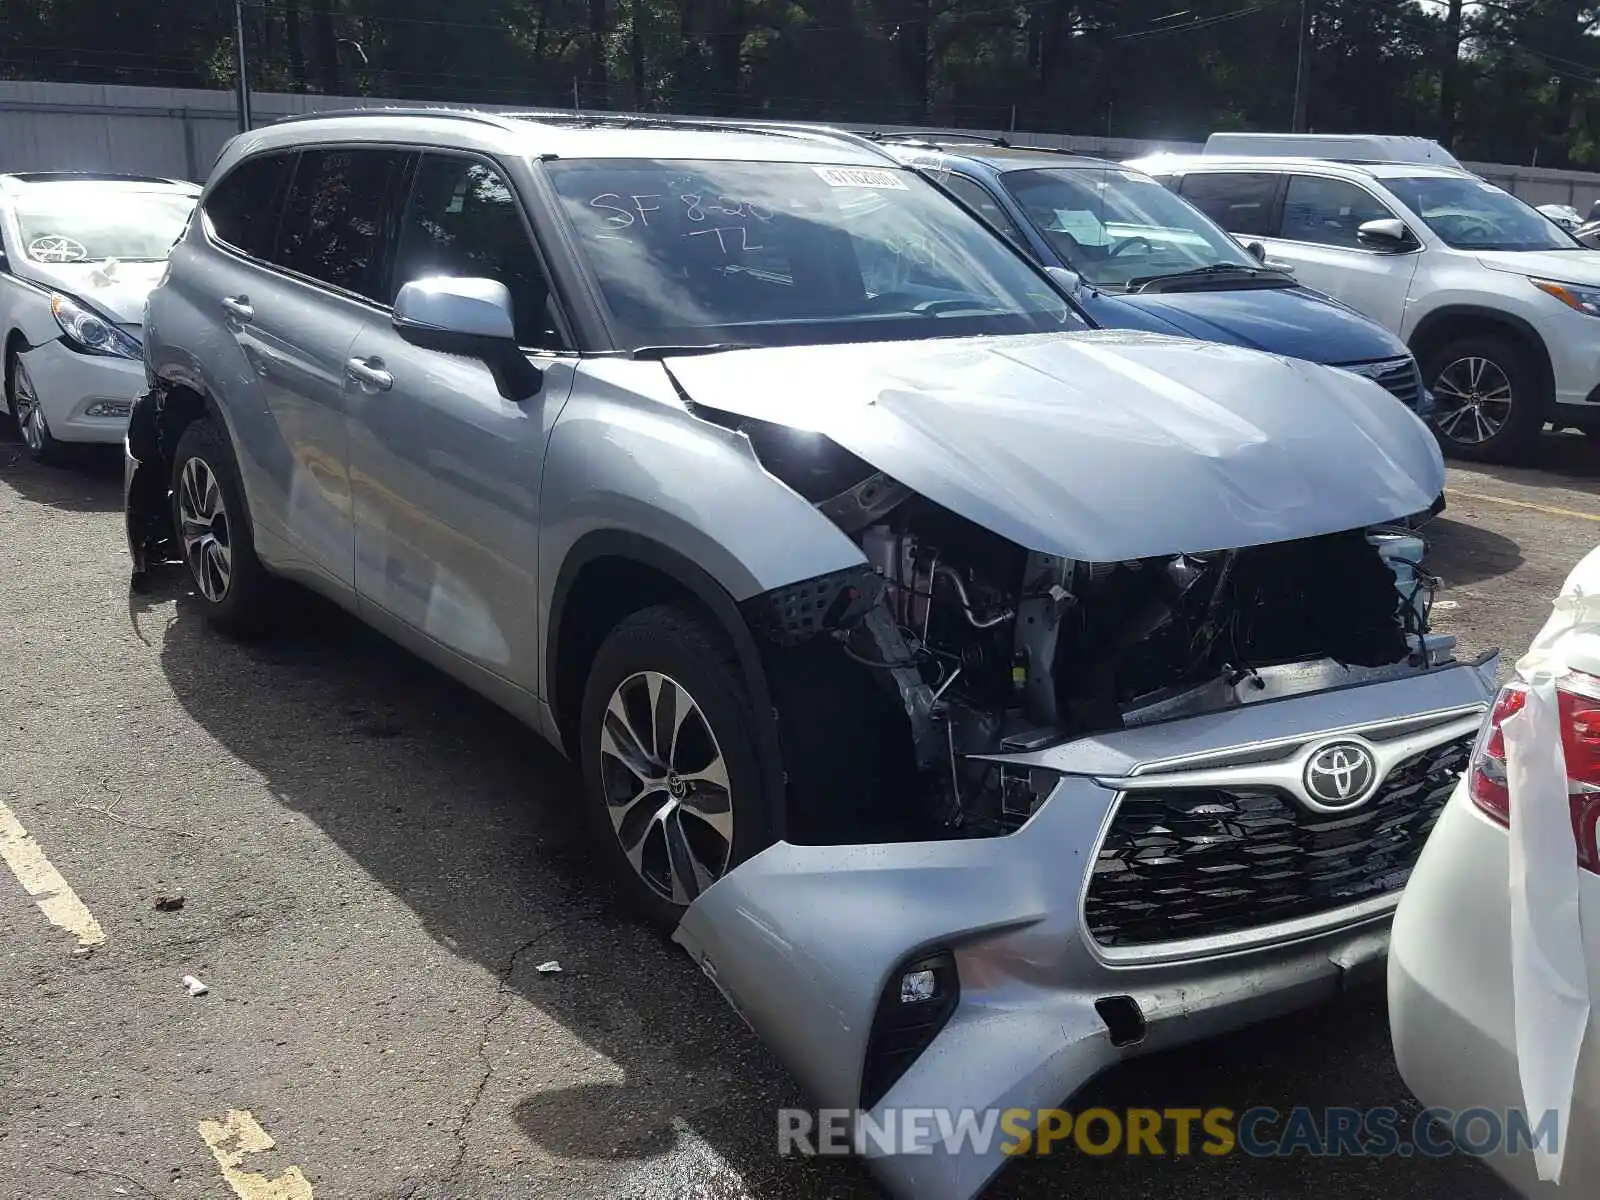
1239	201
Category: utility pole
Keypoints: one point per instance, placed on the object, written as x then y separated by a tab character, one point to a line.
244	66
1450	73
1302	85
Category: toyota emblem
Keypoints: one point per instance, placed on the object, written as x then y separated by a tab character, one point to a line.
1341	774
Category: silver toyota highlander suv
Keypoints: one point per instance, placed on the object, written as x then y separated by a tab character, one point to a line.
980	697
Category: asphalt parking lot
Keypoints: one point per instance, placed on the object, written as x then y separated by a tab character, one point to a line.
374	865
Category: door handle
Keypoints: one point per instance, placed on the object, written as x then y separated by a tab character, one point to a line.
238	308
369	373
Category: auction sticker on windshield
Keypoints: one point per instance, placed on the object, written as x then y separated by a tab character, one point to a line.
859	177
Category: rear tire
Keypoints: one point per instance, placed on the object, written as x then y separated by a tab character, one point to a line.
673	771
1489	397
212	532
32	427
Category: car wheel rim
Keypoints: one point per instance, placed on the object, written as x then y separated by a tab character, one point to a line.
666	786
1474	394
25	408
203	521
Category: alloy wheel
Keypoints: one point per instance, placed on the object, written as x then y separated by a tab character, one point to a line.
207	540
1474	394
25	409
666	786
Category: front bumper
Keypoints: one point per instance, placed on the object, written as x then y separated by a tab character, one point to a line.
1573	341
73	386
804	940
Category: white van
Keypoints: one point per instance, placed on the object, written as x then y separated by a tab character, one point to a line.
1338	147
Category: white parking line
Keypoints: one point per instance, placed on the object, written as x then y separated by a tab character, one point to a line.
241	1134
39	878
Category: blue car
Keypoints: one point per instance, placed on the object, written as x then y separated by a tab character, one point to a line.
1138	257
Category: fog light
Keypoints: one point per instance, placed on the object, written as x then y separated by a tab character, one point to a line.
918	997
109	408
917	986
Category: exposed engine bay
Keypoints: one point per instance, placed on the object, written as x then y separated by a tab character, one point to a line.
977	647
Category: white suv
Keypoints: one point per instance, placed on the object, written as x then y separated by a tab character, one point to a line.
1499	305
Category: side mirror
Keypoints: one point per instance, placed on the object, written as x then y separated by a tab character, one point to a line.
1389	234
1070	281
1257	251
470	317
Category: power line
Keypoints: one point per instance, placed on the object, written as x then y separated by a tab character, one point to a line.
1199	23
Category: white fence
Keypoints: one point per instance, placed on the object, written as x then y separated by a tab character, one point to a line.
178	132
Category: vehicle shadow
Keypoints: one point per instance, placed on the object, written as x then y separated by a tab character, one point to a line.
1558	460
1332	1057
387	755
89	481
1462	554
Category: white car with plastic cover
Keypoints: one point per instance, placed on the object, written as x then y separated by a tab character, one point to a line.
1496	949
81	254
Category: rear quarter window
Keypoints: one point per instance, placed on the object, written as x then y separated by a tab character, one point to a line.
242	210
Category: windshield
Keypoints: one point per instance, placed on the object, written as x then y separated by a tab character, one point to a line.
763	253
75	223
1112	226
1470	214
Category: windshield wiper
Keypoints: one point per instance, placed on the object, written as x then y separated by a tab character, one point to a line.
659	352
1140	282
1193	272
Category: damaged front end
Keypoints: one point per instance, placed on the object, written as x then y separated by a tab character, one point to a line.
904	684
1047	811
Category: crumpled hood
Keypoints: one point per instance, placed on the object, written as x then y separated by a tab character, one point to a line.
1099	446
118	289
1289	321
1563	266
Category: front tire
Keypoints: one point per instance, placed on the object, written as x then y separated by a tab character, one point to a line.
673	772
23	401
1490	399
213	532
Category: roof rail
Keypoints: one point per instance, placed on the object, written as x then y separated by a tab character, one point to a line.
90	177
575	117
1062	150
932	136
567	116
717	124
465	114
861	141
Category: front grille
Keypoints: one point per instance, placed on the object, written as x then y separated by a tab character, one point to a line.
1398	377
1198	862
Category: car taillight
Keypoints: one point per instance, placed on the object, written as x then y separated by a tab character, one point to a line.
1578	705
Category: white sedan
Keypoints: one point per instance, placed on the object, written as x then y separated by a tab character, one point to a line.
1496	946
81	253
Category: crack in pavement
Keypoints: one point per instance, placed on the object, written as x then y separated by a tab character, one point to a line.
504	995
